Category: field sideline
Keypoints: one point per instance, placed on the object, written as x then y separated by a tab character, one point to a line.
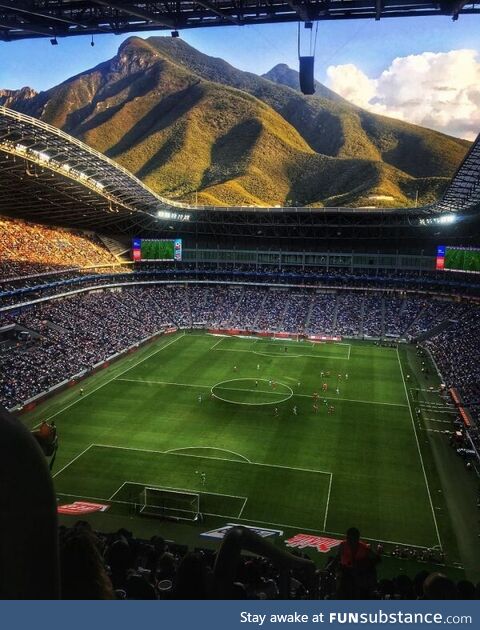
154	420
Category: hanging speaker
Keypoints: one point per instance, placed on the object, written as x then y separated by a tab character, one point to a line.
307	82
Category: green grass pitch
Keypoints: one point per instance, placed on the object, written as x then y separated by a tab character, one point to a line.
225	406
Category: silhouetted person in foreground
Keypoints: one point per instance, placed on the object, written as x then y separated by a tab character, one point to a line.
356	562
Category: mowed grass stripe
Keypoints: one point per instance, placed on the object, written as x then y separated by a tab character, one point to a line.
284	347
368	445
419	453
275	494
255	391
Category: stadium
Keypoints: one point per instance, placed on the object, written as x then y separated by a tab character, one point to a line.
222	395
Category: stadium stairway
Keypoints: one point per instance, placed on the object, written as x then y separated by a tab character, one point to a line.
309	313
116	248
415	319
382	320
33	333
200	305
187	299
281	325
56	327
260	310
362	316
335	314
444	325
237	306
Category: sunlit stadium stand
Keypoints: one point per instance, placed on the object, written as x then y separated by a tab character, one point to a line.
28	249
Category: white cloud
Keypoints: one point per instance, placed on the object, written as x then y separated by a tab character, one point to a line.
436	90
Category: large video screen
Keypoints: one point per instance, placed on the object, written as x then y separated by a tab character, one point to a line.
465	259
156	249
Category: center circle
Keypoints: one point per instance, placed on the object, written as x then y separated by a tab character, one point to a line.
252	391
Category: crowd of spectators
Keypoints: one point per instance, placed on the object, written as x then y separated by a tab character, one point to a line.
36	285
455	350
248	309
373	315
30	248
212	306
68	336
343	277
322	313
272	310
349	313
296	312
434	313
95	565
72	335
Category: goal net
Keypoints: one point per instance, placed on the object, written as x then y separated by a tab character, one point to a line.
174	504
283	336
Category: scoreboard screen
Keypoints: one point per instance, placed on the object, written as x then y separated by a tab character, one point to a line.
466	259
157	249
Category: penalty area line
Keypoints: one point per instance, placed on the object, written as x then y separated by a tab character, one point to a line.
328	502
236	461
242	508
73	460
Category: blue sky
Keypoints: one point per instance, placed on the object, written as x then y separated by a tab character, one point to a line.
370	45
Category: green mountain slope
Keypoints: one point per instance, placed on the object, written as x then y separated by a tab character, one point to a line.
192	126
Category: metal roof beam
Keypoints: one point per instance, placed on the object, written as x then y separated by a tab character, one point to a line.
29	28
300	9
131	9
211	7
23	9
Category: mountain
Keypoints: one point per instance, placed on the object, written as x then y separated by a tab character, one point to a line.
284	75
190	126
12	98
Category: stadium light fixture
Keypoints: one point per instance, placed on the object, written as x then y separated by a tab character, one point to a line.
446	219
54	41
175	216
42	156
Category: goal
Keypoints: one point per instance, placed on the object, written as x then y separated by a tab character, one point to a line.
165	503
282	336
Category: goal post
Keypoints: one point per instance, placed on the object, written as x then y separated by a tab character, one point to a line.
282	336
166	503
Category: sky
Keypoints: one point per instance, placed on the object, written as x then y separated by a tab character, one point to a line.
421	70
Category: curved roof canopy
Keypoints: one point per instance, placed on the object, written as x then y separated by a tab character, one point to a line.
463	192
50	176
49	162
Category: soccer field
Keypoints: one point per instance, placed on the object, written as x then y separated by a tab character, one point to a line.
223	406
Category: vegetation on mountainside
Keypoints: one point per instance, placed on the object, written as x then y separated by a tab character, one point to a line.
193	127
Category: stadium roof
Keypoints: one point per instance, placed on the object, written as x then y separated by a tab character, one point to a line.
464	189
50	176
20	19
44	171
